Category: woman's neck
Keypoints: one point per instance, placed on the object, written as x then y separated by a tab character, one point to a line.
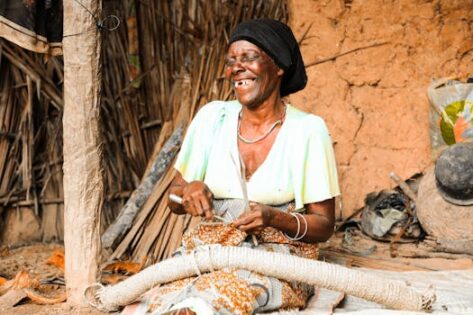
267	112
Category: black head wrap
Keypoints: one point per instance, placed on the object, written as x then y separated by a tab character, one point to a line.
277	40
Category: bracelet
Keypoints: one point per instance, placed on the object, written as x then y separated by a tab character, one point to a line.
298	237
306	226
298	228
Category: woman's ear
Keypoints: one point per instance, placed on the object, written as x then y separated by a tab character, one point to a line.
280	72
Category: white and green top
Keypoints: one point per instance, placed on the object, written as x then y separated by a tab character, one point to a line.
299	167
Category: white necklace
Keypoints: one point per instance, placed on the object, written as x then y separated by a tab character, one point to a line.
251	141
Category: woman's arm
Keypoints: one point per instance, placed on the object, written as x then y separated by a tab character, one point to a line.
196	197
320	219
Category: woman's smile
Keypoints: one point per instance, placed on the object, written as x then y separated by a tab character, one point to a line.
243	84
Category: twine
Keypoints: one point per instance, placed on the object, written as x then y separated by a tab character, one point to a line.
391	293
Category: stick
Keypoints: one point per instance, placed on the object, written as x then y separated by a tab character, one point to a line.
343	54
404	187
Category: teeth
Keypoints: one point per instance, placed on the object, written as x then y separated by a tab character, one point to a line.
243	82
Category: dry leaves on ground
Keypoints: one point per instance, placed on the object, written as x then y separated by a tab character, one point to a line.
57	259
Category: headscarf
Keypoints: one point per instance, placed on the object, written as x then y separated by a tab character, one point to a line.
277	40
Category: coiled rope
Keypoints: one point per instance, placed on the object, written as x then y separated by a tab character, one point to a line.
391	293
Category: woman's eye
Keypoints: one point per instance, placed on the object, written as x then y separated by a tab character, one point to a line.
230	62
249	58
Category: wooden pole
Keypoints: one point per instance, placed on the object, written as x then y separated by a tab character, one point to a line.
83	179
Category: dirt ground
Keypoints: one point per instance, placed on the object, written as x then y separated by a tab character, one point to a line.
33	259
62	308
359	251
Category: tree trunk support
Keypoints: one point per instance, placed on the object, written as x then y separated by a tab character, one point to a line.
83	179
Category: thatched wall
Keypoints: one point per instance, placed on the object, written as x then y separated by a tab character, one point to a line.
374	100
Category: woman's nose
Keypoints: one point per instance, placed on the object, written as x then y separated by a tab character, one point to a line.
237	67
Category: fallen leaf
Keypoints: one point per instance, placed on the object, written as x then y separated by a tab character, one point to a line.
2	280
38	298
112	278
125	267
57	259
23	280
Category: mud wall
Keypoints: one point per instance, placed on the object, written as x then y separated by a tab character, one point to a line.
374	99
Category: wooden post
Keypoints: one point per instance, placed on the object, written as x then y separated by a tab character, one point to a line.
83	179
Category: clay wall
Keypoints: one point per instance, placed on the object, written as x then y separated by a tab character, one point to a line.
374	99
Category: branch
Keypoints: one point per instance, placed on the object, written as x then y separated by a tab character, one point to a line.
314	63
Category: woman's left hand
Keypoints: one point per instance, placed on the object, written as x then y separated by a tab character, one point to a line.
255	220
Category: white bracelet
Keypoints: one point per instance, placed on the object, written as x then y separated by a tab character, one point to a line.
306	227
295	238
298	237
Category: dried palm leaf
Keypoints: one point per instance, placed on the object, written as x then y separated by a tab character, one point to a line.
57	259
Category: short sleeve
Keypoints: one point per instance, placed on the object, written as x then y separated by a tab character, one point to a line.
315	171
193	157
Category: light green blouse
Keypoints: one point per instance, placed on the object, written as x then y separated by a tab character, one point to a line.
300	165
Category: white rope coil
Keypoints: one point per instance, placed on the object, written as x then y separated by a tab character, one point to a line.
394	294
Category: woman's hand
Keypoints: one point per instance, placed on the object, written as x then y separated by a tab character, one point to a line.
255	220
197	199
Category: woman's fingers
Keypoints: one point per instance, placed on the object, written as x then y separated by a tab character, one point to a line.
253	205
246	219
206	206
199	205
242	220
252	227
188	207
192	205
197	199
255	220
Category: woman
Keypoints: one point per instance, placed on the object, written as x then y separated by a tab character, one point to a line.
287	162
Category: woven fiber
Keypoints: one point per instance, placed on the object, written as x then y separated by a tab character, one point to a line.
393	294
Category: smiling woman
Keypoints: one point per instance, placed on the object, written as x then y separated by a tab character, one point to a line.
285	169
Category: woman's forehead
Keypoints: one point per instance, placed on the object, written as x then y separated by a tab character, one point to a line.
242	46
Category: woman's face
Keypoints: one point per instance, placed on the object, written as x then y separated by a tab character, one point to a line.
252	72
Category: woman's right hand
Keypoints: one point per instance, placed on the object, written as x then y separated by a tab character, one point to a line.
197	199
